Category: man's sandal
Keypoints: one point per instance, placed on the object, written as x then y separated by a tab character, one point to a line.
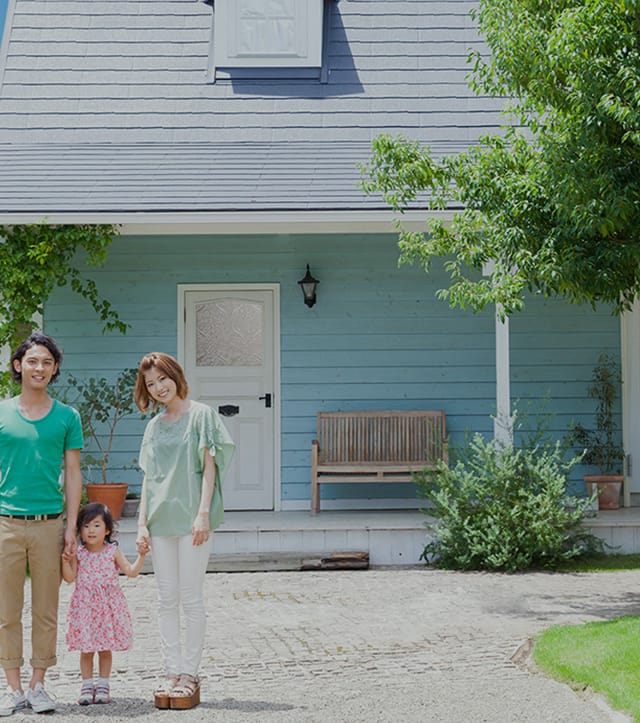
186	692
162	692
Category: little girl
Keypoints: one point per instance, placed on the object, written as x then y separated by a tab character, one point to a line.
99	619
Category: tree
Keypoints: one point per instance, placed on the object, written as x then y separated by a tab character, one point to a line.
34	259
553	201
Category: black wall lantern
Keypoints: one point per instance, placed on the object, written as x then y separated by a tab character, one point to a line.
308	285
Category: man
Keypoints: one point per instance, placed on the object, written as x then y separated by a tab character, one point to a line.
38	436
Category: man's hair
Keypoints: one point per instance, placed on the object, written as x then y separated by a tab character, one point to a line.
37	339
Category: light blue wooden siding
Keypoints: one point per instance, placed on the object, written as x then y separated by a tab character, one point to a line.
378	340
377	337
554	347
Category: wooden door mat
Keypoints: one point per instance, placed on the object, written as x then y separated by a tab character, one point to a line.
337	561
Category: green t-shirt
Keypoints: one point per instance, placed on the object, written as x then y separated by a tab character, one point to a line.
171	457
31	457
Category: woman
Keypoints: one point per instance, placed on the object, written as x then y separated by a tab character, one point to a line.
184	454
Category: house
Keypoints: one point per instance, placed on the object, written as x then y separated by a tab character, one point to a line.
3	12
225	138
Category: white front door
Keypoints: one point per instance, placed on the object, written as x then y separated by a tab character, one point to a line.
230	356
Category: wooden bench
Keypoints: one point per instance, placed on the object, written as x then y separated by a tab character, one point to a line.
375	446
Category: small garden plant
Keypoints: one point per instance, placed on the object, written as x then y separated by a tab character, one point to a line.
102	405
601	446
505	507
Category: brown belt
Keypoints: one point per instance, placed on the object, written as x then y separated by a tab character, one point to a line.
33	517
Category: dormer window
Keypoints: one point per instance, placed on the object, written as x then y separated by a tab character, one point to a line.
269	38
274	33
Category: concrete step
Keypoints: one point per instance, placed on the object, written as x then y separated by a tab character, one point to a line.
282	540
255	541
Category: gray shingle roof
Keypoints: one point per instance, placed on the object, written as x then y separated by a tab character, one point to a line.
185	177
106	106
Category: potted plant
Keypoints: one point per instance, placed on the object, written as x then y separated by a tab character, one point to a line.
102	405
600	446
131	504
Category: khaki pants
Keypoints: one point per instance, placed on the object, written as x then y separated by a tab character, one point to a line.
38	544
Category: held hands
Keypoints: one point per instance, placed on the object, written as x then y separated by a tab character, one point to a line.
143	540
70	544
200	530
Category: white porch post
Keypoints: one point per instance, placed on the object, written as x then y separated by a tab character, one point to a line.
630	356
503	422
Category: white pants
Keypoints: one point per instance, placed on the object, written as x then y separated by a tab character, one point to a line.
179	568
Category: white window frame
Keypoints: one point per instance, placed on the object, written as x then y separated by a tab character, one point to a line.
236	46
309	60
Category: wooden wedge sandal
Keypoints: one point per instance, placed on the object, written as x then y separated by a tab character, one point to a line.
162	692
186	693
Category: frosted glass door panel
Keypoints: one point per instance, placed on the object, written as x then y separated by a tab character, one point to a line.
239	323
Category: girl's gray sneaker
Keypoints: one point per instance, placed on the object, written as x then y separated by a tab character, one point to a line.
86	694
102	693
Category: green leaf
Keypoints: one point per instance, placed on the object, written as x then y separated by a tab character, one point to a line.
555	207
37	258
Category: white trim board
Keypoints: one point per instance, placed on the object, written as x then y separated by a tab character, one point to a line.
237	222
350	505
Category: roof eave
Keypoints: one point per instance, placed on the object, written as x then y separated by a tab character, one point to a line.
236	222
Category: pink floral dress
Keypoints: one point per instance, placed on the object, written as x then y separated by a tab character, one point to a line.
98	617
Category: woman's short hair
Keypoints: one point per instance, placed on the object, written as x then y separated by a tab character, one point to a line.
166	364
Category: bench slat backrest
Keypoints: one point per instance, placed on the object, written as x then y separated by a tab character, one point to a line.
381	436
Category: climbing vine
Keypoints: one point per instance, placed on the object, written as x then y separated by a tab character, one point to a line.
37	258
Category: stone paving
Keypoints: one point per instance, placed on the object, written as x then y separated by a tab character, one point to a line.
396	644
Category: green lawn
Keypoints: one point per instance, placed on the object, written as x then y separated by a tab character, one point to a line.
602	655
602	563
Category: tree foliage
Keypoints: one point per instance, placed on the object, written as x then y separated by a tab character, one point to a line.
553	201
37	258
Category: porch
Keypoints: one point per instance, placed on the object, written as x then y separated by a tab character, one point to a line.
283	540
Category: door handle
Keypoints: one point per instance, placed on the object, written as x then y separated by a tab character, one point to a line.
228	410
267	400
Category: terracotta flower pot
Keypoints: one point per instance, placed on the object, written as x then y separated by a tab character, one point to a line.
112	495
609	487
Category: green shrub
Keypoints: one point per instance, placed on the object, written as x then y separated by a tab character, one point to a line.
503	507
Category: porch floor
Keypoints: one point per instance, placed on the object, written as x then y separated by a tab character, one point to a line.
620	529
281	540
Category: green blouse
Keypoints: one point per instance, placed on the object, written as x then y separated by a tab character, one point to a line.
172	457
